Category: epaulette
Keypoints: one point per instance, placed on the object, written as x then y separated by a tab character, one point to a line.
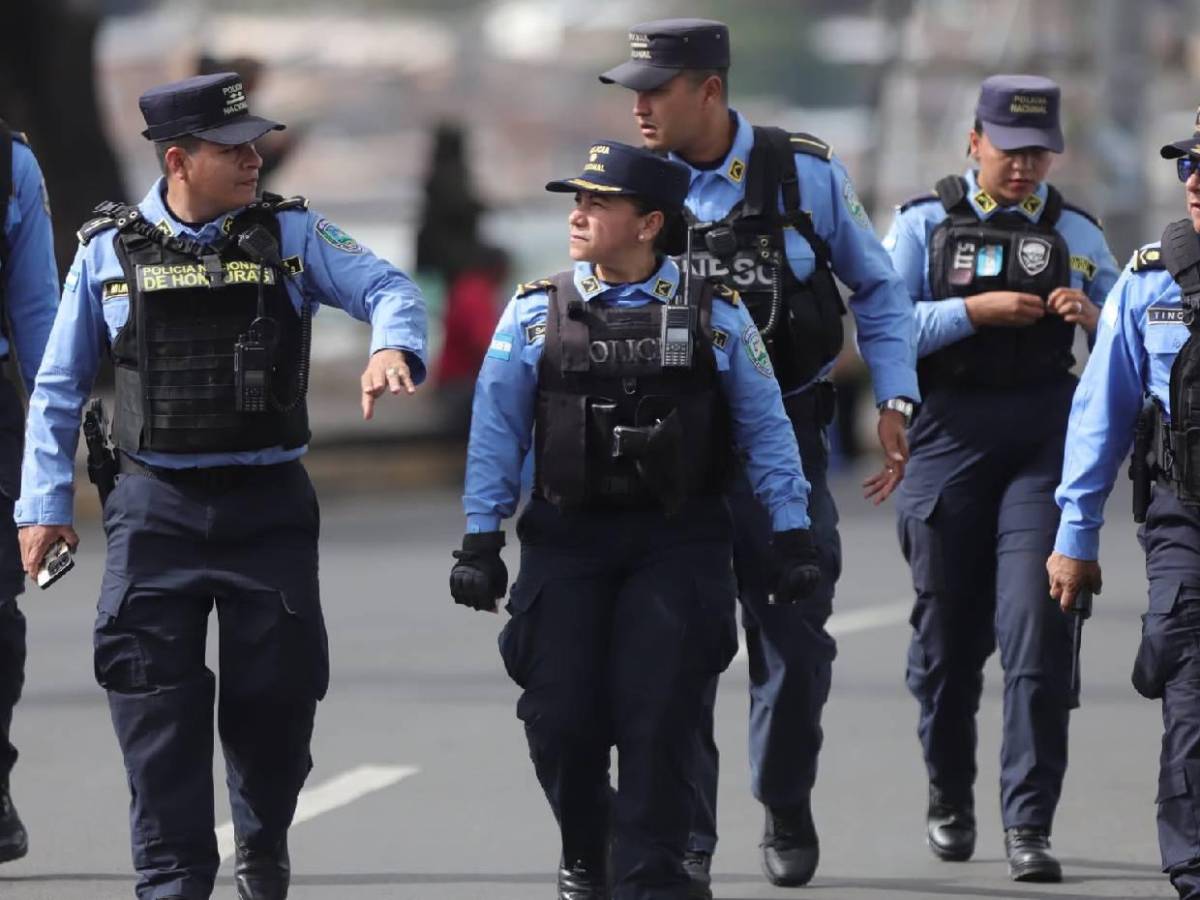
533	287
20	137
93	227
812	145
279	203
1080	211
1146	259
726	293
918	200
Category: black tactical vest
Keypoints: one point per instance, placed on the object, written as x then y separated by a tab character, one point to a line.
189	304
801	322
615	427
1008	252
1181	257
7	136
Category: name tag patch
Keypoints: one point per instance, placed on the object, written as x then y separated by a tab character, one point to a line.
501	347
1164	315
533	332
113	289
1084	267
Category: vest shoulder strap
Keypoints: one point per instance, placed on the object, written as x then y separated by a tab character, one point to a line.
1054	207
919	200
566	325
1181	256
278	203
774	156
952	192
1147	259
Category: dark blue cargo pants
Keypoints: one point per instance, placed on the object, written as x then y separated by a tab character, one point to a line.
12	575
619	621
243	540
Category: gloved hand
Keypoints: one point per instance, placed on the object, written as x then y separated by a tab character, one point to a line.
796	569
479	578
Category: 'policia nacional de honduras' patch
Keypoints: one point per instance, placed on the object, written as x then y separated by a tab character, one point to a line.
501	348
854	205
335	237
757	351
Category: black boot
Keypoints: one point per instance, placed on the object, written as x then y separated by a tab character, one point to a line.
790	847
262	874
950	826
582	880
14	842
697	864
1029	857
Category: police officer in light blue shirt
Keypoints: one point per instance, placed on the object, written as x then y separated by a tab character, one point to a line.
1000	270
775	216
1145	359
203	295
28	298
632	383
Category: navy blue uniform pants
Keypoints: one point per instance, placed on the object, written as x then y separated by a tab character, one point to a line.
619	621
12	574
790	652
245	541
977	520
1168	669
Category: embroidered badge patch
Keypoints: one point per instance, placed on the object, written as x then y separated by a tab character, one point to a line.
1084	267
663	288
756	350
335	237
990	261
589	285
501	347
72	279
737	171
1032	204
984	201
720	338
854	205
114	289
535	331
1164	315
1033	254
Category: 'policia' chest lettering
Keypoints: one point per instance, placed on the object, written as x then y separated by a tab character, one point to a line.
181	276
646	350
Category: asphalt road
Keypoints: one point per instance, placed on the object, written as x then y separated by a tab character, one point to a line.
423	788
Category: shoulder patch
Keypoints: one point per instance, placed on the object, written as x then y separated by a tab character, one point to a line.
726	293
854	206
756	350
501	346
293	265
1080	211
533	287
1084	266
720	338
336	238
920	199
114	289
535	331
1165	315
1147	259
93	227
811	145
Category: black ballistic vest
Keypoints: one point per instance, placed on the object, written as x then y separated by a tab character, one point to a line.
801	322
1181	257
615	428
189	303
1007	252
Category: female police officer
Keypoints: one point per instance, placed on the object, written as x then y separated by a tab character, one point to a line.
1146	346
1001	271
638	384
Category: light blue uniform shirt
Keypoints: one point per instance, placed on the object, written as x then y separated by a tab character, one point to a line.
1136	344
506	394
336	271
943	322
31	275
881	309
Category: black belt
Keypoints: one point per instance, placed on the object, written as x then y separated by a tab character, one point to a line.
215	478
816	403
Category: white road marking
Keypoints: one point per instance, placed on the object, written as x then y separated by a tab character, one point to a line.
338	791
853	621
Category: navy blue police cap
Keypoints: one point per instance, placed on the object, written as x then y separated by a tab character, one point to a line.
1019	111
211	107
660	50
621	170
1188	146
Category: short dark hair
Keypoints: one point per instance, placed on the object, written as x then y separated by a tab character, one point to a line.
697	77
189	144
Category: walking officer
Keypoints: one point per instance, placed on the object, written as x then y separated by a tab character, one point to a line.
1001	270
1146	361
635	381
774	216
28	299
203	295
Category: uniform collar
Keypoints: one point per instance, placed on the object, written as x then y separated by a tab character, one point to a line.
733	166
661	285
985	206
154	208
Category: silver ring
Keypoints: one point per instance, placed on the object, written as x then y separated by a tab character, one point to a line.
392	370
890	470
1078	306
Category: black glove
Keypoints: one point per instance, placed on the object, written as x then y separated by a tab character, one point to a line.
796	569
479	578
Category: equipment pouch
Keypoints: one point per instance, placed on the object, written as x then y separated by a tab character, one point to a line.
815	316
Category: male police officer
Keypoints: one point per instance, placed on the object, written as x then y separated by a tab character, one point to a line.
1000	270
1146	346
28	298
203	294
638	384
773	215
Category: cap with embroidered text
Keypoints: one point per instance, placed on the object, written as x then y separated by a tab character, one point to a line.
621	170
210	107
660	50
1019	111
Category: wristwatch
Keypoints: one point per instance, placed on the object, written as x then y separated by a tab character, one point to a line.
902	405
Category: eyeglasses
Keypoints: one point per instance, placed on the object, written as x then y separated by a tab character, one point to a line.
1186	165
